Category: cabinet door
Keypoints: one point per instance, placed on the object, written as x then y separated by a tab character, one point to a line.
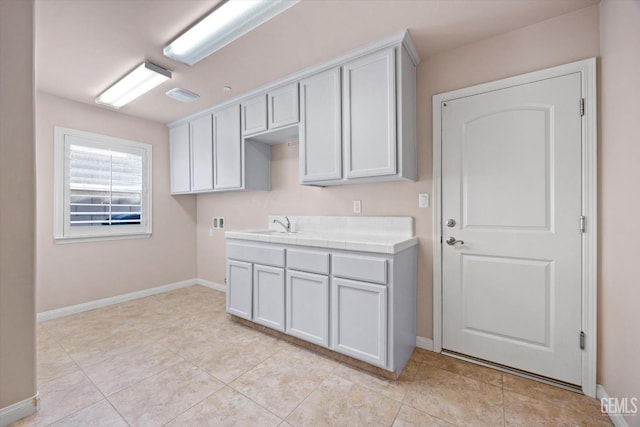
268	296
202	154
227	147
320	127
369	99
180	159
239	288
283	106
359	320
254	115
308	307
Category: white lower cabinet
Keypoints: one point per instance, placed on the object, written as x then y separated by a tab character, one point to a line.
359	304
307	303
240	288
268	296
359	319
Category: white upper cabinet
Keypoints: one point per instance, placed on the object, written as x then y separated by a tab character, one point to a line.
180	159
208	154
277	109
369	100
254	115
378	122
354	116
320	127
202	154
283	106
227	149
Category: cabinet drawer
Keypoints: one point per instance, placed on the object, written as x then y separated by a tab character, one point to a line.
311	261
256	254
363	268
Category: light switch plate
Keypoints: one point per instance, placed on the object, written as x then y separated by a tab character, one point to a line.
357	206
423	200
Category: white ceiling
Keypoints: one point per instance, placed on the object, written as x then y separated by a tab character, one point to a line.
84	46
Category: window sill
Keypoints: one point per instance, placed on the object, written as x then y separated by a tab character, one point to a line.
86	239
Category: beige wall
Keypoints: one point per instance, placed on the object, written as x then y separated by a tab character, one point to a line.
619	356
68	274
560	40
17	204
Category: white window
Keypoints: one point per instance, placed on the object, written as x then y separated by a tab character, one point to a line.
102	187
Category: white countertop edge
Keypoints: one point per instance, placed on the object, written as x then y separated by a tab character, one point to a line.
386	245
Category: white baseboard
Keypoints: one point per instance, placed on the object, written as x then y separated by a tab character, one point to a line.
13	413
92	305
617	419
212	285
424	343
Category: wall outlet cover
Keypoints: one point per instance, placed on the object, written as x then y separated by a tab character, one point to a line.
423	200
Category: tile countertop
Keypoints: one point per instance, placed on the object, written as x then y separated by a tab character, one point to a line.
388	235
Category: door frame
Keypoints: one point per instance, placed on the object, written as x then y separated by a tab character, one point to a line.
587	70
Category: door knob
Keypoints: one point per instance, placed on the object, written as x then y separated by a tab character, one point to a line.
451	223
452	241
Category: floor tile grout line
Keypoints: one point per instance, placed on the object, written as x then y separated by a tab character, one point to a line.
261	363
310	393
88	378
197	403
257	403
145	378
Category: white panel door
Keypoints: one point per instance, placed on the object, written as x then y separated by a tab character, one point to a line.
321	127
180	159
202	154
369	97
268	296
227	149
359	320
307	305
239	288
511	182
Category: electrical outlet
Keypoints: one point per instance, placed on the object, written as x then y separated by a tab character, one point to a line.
423	200
357	206
211	232
217	222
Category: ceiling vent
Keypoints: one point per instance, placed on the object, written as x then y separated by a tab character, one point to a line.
182	95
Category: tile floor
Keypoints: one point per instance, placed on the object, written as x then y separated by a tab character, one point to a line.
176	359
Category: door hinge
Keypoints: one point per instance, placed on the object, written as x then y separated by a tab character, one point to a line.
582	223
581	107
582	336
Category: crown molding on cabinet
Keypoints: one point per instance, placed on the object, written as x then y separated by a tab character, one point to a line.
403	38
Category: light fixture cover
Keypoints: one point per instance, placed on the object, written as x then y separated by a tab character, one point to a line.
182	95
142	79
231	20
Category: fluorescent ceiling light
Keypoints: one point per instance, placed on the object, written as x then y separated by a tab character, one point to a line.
141	80
229	21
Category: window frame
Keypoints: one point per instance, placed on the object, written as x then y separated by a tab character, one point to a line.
62	233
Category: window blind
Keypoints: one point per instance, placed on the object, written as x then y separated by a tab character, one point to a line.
105	187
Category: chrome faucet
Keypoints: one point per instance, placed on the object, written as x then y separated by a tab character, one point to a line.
287	227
